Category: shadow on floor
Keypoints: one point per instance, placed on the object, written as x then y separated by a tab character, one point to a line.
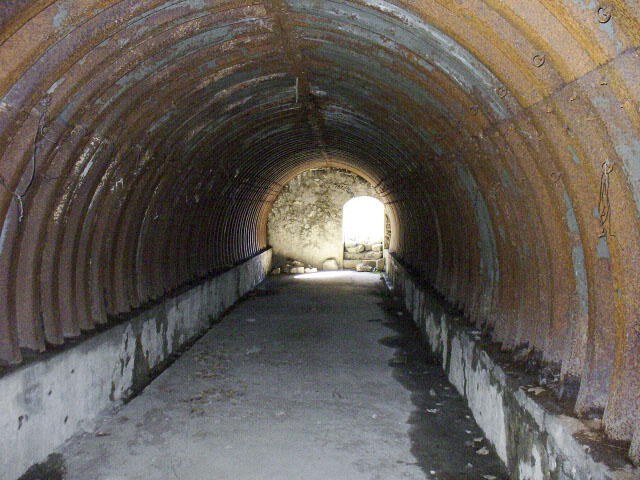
446	442
53	468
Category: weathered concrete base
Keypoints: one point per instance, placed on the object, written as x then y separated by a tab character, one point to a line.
319	379
45	403
532	442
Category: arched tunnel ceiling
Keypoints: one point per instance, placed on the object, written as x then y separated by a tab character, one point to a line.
142	143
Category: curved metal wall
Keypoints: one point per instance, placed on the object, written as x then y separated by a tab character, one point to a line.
142	143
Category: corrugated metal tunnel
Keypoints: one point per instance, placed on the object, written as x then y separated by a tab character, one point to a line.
142	144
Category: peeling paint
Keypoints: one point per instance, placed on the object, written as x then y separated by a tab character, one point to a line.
62	13
489	264
580	273
577	257
55	85
628	148
602	249
574	157
572	223
475	74
3	235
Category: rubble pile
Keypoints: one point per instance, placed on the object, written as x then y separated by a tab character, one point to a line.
294	267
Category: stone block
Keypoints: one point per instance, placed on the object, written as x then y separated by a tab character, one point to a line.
380	264
350	264
361	267
330	264
634	451
357	249
297	270
377	247
275	271
370	255
310	270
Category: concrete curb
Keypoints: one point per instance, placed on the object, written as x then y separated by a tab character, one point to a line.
532	442
44	403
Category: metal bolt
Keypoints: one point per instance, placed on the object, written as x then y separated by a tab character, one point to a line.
538	60
604	14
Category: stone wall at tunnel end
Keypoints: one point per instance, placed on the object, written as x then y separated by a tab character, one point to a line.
305	222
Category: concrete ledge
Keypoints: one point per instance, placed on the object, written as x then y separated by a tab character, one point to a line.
532	442
44	403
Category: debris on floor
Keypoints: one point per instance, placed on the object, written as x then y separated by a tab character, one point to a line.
294	267
362	267
536	390
364	253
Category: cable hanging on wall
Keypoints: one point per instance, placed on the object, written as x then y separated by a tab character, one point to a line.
604	204
40	129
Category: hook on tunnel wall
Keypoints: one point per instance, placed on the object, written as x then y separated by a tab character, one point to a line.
142	144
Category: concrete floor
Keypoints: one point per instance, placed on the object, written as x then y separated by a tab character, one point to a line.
312	377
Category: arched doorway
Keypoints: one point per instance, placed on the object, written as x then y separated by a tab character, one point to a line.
305	226
363	233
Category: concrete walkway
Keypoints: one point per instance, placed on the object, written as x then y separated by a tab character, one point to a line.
312	377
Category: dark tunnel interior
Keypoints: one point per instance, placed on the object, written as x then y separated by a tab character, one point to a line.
143	142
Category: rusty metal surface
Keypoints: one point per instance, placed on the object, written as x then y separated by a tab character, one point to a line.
143	142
